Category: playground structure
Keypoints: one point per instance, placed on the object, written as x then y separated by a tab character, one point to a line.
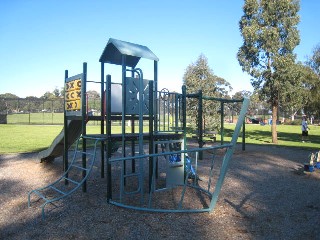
152	160
314	162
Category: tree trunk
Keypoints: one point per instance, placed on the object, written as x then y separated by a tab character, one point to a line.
274	124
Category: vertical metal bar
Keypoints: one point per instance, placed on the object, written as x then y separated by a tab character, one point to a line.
244	136
133	150
108	132
196	169
123	121
184	107
66	135
168	106
102	110
141	104
84	117
155	92
151	117
176	112
222	121
200	126
164	114
184	116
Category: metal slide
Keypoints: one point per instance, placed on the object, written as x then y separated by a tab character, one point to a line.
56	148
76	174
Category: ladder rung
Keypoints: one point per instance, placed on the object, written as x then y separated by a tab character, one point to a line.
70	180
85	153
56	189
76	166
95	138
131	175
40	194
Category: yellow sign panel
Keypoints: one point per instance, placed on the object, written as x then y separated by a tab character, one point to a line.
73	85
73	105
73	95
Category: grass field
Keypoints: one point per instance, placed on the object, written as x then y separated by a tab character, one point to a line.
33	138
35	118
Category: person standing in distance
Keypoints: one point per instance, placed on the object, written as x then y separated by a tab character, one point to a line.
304	128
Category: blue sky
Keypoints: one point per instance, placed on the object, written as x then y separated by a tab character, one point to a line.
40	39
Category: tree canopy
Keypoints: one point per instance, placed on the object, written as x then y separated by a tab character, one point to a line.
270	34
199	76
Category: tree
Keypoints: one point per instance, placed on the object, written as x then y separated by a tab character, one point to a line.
314	60
303	79
270	34
10	102
313	84
93	99
199	76
56	92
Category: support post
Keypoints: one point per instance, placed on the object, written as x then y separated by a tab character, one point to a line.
108	132
244	136
200	125
66	136
102	110
151	141
84	116
222	121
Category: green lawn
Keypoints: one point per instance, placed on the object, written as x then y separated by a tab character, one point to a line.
33	138
35	118
288	135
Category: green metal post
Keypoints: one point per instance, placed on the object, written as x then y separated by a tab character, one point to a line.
155	92
244	136
123	121
102	110
200	123
108	132
176	111
133	147
151	118
84	116
222	121
184	118
66	135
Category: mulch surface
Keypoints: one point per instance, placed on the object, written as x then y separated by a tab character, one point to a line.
266	195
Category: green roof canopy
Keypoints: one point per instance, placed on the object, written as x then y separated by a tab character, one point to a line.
114	50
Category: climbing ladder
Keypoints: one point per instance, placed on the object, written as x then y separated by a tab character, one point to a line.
76	174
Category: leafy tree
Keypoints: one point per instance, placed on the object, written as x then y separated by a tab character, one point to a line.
8	95
240	95
270	34
199	76
312	106
295	101
94	100
56	92
48	95
33	104
10	102
314	61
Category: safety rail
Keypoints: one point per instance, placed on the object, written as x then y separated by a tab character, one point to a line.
212	177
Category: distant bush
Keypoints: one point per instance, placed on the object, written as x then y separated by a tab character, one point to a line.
294	122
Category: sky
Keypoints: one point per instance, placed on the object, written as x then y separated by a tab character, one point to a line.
40	39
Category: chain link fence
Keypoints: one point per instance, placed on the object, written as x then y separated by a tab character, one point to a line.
38	111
